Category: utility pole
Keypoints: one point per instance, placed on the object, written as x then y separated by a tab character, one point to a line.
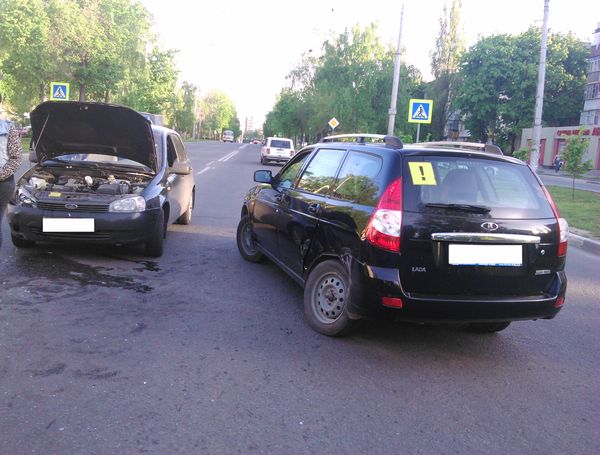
539	97
392	111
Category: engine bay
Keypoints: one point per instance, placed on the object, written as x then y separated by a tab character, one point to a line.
65	183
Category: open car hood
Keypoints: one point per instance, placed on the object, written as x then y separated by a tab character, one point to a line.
63	127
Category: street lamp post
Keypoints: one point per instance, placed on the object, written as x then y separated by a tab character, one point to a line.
392	111
539	97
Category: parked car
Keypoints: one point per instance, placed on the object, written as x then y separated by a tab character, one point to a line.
279	149
105	175
419	233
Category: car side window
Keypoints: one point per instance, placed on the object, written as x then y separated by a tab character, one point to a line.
357	181
179	148
171	151
320	173
289	174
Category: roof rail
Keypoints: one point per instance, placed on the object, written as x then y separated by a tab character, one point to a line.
390	141
477	146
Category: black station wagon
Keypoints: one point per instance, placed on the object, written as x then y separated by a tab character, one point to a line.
424	232
104	175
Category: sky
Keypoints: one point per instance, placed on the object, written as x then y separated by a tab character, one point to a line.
247	48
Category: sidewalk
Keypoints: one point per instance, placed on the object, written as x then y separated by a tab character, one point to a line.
591	177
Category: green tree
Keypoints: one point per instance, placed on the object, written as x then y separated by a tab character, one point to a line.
218	111
498	80
573	153
445	63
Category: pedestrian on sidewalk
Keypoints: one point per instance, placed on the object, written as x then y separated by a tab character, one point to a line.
10	160
558	162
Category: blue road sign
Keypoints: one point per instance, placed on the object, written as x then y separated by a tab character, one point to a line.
59	91
419	111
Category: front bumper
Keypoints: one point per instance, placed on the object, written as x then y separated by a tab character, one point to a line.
379	282
110	228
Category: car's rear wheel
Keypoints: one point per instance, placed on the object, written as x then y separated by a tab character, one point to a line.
326	299
263	160
245	241
155	244
488	327
186	218
20	242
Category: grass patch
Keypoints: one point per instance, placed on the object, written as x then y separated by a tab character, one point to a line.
583	212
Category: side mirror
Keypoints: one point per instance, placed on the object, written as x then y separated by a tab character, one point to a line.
263	176
180	169
33	156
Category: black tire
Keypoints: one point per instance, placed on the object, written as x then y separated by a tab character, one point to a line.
186	218
20	242
488	327
326	299
155	244
263	160
245	241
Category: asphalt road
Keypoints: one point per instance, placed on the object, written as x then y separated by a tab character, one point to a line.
103	351
564	180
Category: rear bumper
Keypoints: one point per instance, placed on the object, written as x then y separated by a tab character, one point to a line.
378	282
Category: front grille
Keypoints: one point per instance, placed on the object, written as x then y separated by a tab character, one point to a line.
71	235
60	207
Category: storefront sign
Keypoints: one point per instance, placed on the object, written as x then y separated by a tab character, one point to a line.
595	132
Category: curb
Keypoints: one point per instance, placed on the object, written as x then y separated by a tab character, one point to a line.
589	245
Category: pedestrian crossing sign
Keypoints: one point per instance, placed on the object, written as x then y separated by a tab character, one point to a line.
59	91
419	111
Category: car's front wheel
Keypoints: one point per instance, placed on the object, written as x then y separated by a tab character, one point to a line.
326	300
245	241
155	244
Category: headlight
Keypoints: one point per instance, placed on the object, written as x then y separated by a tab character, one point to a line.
128	204
24	198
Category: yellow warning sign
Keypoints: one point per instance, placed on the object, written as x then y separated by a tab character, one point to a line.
422	173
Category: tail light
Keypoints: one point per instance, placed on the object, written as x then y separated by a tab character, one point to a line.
267	150
392	302
292	153
560	301
563	226
383	230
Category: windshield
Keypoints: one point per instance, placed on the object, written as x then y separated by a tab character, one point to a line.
504	190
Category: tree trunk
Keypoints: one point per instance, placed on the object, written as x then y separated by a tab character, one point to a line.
107	96
81	92
42	93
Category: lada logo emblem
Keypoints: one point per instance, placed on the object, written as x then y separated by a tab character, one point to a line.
489	226
71	206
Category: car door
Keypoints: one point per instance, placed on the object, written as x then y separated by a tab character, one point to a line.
266	207
301	206
179	186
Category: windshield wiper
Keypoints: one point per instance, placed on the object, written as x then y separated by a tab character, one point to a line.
461	207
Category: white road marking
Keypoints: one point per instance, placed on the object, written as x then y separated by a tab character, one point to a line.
231	155
204	170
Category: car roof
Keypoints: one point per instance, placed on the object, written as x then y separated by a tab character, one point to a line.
379	143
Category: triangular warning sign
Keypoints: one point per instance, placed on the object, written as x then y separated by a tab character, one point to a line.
420	113
59	92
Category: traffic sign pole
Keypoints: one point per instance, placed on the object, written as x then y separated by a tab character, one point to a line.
418	132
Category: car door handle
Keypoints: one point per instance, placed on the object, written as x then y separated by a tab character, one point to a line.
314	209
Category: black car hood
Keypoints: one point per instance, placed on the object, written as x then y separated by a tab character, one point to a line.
62	127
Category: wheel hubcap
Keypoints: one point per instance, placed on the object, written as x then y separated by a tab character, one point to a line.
330	298
248	240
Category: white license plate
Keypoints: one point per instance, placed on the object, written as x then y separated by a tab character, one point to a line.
68	225
490	255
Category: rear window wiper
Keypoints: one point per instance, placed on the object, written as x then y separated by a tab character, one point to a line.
461	207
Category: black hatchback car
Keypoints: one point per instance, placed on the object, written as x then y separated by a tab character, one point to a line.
104	175
422	232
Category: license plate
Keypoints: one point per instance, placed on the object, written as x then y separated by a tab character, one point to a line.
68	225
488	255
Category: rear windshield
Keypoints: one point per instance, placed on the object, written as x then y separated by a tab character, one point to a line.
508	190
281	144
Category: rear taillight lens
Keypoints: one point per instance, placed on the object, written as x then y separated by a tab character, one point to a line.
563	226
383	230
267	150
392	302
292	153
563	235
560	301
